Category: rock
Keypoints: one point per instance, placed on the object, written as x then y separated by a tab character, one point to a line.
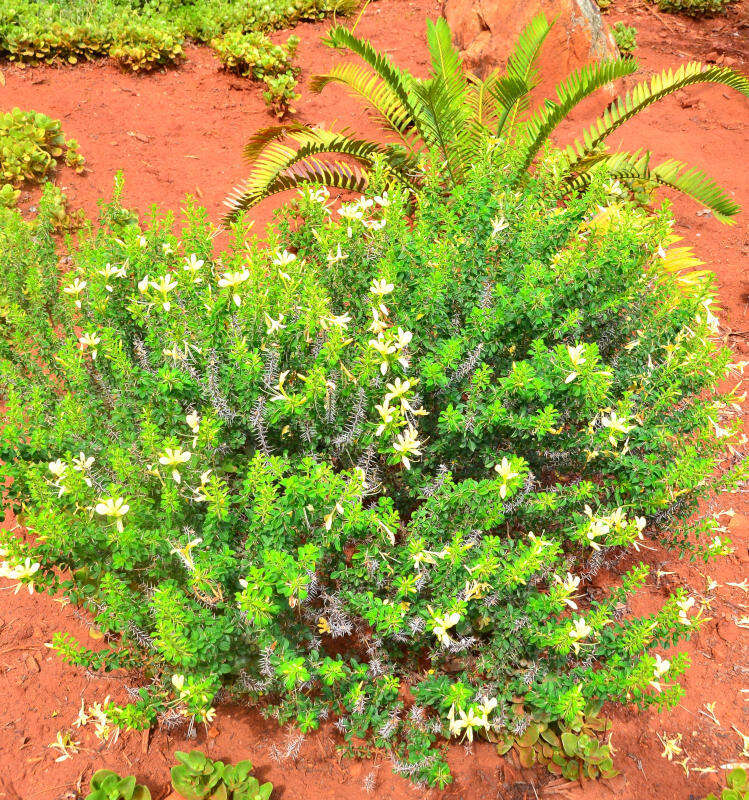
486	31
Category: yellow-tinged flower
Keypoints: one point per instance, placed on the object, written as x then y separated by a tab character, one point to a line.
75	289
114	507
89	340
441	624
381	287
173	458
505	471
58	468
576	357
193	421
684	606
274	325
578	631
407	445
230	280
193	265
163	286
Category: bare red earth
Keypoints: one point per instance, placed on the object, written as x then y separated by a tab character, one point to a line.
181	131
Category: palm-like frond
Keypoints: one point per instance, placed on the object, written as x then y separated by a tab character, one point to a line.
579	85
512	90
398	81
681	263
334	174
635	167
384	105
314	156
647	93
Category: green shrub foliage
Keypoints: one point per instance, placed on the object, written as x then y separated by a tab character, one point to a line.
31	146
142	35
253	55
695	8
364	469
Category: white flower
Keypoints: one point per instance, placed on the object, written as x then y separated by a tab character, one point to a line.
341	321
142	241
467	721
89	340
387	415
339	255
407	445
164	285
143	284
382	200
684	606
232	280
505	471
615	423
193	421
82	464
166	248
173	458
442	624
569	584
576	357
579	630
274	325
193	264
381	287
284	259
499	224
75	290
115	507
58	468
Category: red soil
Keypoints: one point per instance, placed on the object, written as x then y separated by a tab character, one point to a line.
181	131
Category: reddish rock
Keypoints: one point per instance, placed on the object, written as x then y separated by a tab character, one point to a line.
486	31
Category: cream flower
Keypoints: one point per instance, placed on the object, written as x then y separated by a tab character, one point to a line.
230	280
274	325
89	340
58	468
441	624
75	289
163	286
576	357
579	630
506	472
381	287
407	445
173	458
114	507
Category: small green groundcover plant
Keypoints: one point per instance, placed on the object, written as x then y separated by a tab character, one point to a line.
253	55
737	786
695	8
142	35
363	469
31	147
198	777
108	785
625	37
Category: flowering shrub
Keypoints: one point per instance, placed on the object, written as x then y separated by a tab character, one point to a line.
365	469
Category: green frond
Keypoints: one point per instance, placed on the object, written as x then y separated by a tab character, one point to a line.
513	89
398	81
447	66
311	155
570	92
262	138
631	168
522	61
335	174
383	104
649	92
445	126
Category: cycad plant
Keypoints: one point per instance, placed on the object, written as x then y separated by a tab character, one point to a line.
457	115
